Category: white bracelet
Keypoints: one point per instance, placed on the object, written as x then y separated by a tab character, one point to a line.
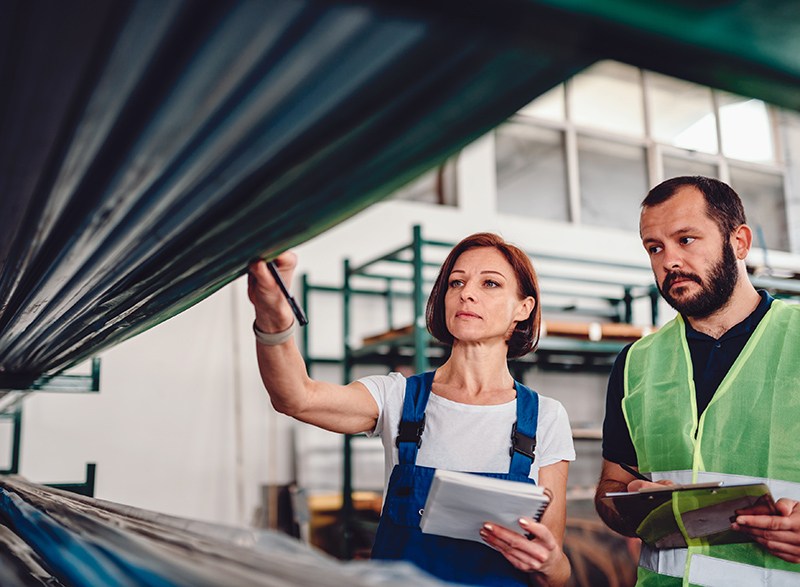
273	338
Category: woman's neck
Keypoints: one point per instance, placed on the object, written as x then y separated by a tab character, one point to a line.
475	374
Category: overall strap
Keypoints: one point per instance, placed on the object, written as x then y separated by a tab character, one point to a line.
523	432
412	423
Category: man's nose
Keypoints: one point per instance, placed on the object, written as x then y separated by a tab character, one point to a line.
672	258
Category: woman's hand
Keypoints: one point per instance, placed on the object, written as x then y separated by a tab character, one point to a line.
535	552
273	314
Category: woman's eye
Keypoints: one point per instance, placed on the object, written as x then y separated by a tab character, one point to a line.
491	283
455	283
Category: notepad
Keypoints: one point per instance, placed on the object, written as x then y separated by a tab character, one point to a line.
459	504
674	516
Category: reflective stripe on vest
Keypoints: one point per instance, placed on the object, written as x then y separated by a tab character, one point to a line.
712	572
749	430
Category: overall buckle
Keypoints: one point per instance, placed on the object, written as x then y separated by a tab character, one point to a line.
411	432
522	443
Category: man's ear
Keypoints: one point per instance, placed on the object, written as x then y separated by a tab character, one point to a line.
742	240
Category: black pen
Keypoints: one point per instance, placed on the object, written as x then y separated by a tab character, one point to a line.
298	311
634	472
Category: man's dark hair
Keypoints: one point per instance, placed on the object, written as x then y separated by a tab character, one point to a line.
723	205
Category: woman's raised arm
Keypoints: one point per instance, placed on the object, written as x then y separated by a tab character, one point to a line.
338	408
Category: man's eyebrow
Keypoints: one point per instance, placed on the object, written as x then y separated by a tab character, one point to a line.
679	231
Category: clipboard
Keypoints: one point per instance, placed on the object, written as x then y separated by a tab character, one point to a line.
689	515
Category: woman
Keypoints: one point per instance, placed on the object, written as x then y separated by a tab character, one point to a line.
485	304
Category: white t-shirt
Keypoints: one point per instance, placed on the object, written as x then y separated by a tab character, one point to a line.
464	437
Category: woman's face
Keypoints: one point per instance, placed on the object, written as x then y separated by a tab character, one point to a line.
482	302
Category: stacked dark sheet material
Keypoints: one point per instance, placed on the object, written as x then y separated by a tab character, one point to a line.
51	537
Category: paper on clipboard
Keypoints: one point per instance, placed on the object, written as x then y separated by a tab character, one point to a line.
674	516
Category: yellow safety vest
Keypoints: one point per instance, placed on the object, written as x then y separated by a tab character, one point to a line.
750	432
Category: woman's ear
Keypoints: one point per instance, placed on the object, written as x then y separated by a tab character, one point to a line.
526	306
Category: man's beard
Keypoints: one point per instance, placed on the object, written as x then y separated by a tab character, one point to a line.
713	295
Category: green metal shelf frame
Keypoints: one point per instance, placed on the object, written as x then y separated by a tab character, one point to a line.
57	382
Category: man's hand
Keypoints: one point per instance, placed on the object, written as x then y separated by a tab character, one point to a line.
780	534
639	485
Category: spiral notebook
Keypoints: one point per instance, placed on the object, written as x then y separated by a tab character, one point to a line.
459	504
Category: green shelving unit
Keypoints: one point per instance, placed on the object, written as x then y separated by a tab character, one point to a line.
11	409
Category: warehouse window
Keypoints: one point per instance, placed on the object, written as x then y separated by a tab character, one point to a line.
762	196
613	178
437	186
681	114
531	172
608	96
745	128
588	150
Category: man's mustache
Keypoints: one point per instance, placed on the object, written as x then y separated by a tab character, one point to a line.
671	277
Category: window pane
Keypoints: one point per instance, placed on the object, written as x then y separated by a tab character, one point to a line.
764	205
745	129
682	113
531	172
437	186
608	95
613	183
549	105
677	166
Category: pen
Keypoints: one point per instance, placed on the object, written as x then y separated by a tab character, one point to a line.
298	311
633	472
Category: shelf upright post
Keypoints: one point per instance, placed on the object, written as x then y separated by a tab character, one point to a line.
390	303
420	331
654	305
347	456
16	434
628	299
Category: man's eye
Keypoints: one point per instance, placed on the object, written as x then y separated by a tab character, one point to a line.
685	240
654	249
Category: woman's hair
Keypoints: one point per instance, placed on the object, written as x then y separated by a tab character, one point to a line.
526	333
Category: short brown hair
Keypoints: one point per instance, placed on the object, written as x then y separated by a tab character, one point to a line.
526	334
723	204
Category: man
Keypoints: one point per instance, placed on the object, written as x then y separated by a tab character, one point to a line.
714	395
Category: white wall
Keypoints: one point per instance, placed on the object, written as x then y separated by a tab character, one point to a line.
165	430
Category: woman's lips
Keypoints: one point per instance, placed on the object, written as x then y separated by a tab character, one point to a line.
466	315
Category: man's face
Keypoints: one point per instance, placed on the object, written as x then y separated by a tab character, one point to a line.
694	266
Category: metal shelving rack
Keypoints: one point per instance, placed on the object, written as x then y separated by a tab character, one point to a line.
11	402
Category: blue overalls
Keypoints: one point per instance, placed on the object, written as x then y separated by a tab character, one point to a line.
399	536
